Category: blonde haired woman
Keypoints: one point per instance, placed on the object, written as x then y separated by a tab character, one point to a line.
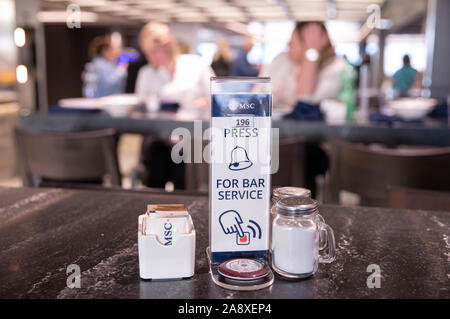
171	76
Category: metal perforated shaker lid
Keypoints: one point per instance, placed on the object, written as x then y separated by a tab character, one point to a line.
296	206
289	191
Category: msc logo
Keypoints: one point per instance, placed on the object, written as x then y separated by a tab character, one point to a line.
234	104
168	233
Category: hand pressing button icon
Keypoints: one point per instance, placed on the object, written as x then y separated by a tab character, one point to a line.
231	221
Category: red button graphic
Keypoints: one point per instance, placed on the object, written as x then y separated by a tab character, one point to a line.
243	239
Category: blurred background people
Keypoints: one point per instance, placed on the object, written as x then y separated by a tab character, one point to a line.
102	75
301	78
171	76
184	47
133	70
309	71
305	75
222	59
404	78
240	65
365	61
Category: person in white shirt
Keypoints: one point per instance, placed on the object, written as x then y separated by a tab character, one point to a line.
308	72
170	76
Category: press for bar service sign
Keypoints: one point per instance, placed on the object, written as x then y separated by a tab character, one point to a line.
240	168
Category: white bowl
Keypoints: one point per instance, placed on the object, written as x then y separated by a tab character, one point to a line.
121	100
81	103
412	108
120	105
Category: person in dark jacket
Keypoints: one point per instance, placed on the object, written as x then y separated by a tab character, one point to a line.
222	59
133	70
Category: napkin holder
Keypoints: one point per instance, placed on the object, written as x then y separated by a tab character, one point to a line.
159	261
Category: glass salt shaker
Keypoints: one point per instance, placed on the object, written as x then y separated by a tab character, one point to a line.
299	234
283	192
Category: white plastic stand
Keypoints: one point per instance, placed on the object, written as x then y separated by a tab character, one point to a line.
157	261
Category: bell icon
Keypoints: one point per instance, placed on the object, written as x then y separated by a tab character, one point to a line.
239	159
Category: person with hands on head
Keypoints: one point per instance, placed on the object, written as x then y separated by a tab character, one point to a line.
304	76
306	50
308	72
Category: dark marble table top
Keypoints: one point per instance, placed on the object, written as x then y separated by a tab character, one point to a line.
430	132
42	231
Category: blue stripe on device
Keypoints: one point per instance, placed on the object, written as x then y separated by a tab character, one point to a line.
221	256
224	105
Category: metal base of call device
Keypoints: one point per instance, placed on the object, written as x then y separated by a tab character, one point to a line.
233	283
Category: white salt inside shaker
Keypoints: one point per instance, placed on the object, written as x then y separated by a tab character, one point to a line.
295	237
294	249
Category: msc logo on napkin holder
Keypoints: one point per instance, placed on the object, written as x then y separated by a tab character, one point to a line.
168	233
